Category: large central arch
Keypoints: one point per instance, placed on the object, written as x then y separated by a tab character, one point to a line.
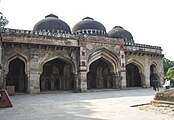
102	65
57	74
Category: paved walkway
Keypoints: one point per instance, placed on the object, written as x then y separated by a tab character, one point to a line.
103	105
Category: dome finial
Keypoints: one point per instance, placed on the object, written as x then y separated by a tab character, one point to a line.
87	18
118	27
51	15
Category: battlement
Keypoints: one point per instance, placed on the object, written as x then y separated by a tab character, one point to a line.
58	34
45	35
135	47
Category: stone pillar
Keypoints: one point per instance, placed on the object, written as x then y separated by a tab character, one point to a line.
82	81
75	83
34	75
146	81
115	81
161	72
82	72
123	68
123	79
52	84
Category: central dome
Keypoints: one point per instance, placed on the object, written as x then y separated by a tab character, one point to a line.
89	26
53	24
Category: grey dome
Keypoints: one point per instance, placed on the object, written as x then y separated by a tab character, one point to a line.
120	32
89	26
53	24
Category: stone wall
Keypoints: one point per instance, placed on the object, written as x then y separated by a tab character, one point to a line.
34	57
143	62
37	48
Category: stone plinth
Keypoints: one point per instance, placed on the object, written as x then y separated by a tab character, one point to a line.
166	95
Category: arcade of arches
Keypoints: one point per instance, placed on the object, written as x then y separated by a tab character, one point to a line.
57	75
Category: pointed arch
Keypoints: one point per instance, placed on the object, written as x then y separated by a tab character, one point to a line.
57	73
134	73
153	72
138	64
74	67
101	68
155	66
10	58
16	74
108	56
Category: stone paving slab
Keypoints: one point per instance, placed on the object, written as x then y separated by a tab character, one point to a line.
104	105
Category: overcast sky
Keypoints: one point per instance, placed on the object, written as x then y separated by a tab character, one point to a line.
150	21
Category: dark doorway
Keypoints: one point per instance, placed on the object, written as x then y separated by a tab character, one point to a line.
133	78
56	75
17	76
99	75
153	74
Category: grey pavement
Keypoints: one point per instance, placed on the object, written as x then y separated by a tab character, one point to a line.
96	105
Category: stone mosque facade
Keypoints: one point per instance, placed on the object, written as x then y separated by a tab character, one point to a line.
54	57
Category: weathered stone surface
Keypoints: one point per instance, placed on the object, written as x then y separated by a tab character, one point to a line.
34	50
166	95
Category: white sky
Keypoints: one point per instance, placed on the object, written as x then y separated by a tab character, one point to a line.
150	21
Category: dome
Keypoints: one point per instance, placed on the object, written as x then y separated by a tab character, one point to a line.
53	24
89	26
120	32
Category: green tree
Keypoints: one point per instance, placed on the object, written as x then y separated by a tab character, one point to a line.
170	74
167	64
169	70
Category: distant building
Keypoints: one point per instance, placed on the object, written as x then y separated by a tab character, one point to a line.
54	57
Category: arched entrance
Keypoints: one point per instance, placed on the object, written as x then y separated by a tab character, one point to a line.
17	76
153	74
57	75
133	77
99	75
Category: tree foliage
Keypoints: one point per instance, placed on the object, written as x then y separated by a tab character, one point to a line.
167	64
170	74
169	70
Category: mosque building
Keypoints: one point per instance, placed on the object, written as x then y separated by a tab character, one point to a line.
54	57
